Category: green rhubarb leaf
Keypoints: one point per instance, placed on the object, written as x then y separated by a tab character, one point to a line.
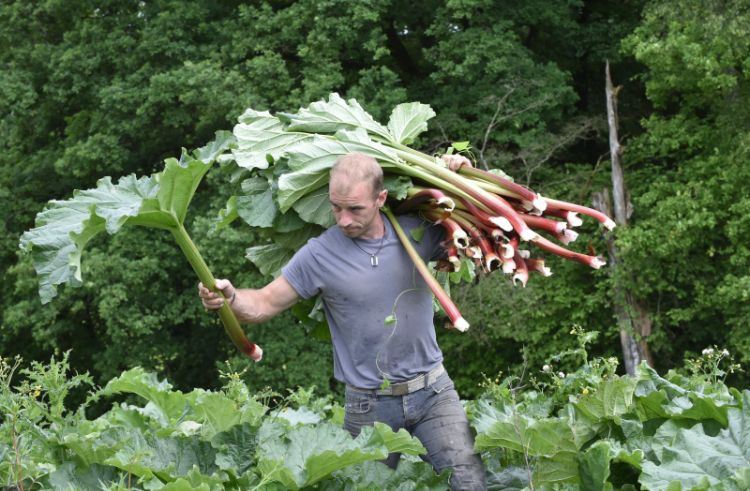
146	455
228	214
235	448
316	208
611	400
400	441
417	233
594	466
691	458
68	475
334	115
306	454
657	397
376	476
164	405
397	186
64	228
214	149
214	411
256	205
269	258
261	138
550	440
409	120
310	163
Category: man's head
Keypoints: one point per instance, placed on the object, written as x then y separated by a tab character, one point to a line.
356	193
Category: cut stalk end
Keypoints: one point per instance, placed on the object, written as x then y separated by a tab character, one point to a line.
522	277
539	203
573	219
597	262
446	203
503	223
609	224
461	324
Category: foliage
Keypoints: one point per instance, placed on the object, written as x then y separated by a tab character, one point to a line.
112	88
167	439
688	246
585	429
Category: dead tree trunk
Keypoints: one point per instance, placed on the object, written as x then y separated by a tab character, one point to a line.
632	316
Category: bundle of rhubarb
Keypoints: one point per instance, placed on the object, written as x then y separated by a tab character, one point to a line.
490	220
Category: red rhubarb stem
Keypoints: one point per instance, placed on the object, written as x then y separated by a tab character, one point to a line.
445	301
564	205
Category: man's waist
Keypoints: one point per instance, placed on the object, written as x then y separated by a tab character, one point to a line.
407	387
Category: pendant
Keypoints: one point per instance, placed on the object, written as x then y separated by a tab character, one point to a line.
373	260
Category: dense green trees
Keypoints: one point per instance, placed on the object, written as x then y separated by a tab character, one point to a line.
89	89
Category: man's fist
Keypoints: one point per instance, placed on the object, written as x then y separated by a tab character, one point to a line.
455	162
214	301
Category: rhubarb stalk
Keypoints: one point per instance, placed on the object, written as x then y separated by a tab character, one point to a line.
445	301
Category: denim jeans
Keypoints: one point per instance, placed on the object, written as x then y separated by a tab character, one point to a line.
434	415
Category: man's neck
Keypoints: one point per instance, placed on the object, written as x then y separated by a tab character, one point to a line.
377	229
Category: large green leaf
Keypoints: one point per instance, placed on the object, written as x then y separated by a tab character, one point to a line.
316	208
311	162
256	205
334	115
164	405
269	258
146	455
65	227
657	397
235	448
70	476
692	458
409	120
375	476
306	454
262	137
549	439
611	399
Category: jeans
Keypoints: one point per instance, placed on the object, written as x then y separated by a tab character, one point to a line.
434	415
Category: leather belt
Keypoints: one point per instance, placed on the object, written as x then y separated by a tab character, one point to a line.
403	388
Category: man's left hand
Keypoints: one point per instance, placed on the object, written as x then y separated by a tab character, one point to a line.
455	162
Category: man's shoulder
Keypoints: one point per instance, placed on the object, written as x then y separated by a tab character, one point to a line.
411	221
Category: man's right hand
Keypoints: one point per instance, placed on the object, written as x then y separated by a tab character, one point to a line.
214	301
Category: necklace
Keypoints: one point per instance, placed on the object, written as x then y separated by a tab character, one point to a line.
373	255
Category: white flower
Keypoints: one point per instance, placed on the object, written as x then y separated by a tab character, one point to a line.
707	352
546	368
724	352
561	374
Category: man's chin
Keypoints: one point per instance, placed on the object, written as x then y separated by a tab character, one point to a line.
352	233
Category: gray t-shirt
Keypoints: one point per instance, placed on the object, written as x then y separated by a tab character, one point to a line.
357	299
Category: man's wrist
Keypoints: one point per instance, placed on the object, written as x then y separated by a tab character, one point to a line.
234	296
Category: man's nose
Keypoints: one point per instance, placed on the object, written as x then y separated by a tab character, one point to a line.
344	219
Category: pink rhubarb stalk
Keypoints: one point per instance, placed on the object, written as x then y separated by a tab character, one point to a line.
523	192
564	205
445	301
593	261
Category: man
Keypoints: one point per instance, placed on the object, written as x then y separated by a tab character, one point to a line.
364	276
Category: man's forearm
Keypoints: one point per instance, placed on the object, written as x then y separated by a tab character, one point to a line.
247	306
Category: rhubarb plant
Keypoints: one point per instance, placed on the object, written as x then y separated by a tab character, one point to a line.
286	159
158	201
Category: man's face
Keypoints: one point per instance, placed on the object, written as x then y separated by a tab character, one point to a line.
355	207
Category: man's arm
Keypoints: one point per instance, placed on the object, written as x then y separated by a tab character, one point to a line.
249	305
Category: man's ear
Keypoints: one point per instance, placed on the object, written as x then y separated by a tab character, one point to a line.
382	196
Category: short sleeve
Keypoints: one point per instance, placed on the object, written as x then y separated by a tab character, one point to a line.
302	273
433	237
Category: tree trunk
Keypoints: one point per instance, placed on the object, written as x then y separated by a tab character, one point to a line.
632	316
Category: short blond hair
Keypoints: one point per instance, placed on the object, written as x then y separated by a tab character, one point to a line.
358	167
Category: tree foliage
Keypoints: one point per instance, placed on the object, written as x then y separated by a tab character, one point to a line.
89	89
